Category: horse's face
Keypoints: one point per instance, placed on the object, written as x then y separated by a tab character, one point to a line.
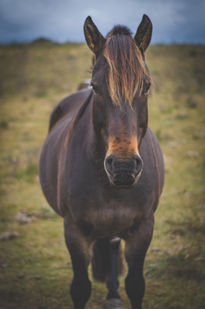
120	84
122	128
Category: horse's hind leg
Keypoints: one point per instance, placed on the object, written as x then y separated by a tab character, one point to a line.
135	251
80	249
113	298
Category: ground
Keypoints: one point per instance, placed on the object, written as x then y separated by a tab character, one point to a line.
35	265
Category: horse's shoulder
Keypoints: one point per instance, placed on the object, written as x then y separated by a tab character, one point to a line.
150	148
68	105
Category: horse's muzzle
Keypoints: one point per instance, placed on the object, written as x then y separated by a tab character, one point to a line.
123	172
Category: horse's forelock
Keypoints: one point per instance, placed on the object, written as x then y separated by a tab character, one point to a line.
127	70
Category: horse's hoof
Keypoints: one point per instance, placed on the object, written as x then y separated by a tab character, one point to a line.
113	303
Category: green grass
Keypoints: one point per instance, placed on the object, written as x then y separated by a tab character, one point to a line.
35	267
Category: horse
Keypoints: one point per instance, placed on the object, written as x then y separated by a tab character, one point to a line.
101	166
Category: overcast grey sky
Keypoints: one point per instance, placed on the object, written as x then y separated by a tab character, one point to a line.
62	20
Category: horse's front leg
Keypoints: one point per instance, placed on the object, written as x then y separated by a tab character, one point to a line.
80	248
135	251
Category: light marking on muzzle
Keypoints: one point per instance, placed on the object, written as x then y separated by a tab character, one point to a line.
123	146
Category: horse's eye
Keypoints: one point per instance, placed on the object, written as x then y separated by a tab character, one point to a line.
96	88
146	88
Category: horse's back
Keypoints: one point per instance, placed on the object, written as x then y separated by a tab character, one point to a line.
69	105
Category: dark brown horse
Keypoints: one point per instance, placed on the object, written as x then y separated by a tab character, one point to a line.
101	167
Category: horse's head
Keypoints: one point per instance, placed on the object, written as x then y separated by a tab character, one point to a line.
120	82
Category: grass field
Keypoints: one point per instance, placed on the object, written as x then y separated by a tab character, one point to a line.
35	268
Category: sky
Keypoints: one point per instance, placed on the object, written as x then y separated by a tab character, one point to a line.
180	21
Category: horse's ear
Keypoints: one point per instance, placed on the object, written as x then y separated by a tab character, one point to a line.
94	38
144	33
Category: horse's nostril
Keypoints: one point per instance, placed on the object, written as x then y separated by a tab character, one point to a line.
138	164
109	163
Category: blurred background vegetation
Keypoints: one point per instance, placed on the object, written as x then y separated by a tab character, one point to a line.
35	265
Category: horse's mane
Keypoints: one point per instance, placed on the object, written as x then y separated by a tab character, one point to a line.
127	70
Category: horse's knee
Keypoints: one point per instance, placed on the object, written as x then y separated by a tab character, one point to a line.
80	291
135	288
135	251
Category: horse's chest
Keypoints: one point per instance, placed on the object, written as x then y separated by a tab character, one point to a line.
108	212
111	219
